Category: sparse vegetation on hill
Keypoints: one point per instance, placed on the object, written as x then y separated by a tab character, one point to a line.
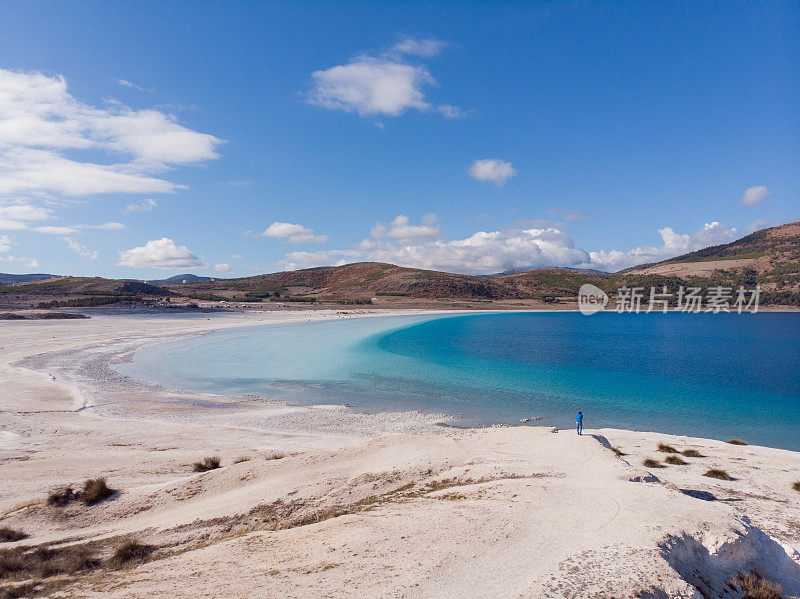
769	258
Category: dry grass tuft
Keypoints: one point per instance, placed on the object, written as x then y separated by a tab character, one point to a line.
664	448
210	463
43	562
28	589
736	442
796	486
95	490
241	458
61	496
755	587
719	474
675	460
618	451
9	535
130	551
691	453
651	463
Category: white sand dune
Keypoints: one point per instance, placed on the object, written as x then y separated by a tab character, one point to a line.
353	510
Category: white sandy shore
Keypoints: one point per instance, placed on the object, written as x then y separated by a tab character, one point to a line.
364	505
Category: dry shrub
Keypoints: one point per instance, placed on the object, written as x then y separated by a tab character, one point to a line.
755	587
651	463
796	486
129	552
618	451
736	442
210	463
719	474
241	458
675	460
691	453
664	448
9	535
95	490
43	562
27	589
61	496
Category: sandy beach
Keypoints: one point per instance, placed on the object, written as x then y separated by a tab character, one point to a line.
324	501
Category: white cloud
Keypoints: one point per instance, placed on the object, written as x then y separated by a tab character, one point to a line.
28	262
160	253
481	253
41	122
424	48
380	85
400	228
222	267
674	244
15	217
5	247
755	195
81	250
492	169
146	205
293	233
132	85
487	252
51	230
110	226
298	260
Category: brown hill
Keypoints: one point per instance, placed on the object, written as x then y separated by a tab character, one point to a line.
770	258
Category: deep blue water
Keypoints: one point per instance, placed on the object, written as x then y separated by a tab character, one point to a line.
708	375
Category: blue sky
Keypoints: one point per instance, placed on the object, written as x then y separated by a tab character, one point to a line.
145	139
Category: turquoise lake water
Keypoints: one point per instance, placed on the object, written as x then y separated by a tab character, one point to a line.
707	375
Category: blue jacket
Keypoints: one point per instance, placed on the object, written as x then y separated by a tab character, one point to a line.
578	417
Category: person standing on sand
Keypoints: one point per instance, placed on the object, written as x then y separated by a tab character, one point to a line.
579	422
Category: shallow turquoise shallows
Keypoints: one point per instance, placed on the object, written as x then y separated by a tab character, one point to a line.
707	375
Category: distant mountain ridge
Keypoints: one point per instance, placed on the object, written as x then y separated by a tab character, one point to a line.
189	278
769	258
7	279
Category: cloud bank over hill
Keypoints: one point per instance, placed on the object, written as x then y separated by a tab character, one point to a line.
423	246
